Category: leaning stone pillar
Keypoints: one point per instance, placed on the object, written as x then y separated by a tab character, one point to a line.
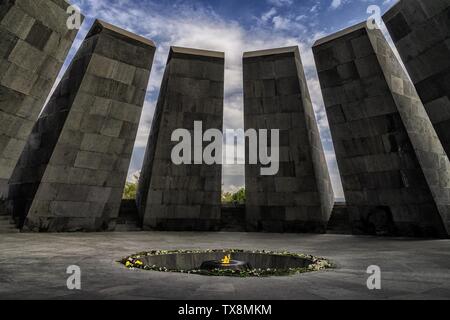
299	197
395	172
34	42
421	32
73	170
187	196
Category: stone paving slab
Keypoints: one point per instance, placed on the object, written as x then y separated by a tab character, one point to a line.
411	269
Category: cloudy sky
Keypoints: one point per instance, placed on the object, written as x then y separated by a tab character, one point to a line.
232	26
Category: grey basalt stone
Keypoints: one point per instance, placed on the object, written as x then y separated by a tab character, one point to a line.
394	168
299	198
34	42
420	30
183	197
72	172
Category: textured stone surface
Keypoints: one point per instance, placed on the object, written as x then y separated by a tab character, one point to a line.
73	170
183	197
421	31
394	169
411	269
339	221
34	42
299	198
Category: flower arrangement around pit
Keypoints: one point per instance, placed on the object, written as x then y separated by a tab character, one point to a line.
317	264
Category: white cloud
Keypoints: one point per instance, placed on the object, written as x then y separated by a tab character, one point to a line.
202	28
315	8
336	4
280	3
269	15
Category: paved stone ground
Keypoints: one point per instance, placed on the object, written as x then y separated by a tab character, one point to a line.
33	266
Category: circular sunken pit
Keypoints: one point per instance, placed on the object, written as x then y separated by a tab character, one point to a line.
238	263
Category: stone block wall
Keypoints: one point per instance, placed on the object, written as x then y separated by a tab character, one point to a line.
299	198
34	42
421	31
183	197
394	169
72	172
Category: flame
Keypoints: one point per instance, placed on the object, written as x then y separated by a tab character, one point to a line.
226	259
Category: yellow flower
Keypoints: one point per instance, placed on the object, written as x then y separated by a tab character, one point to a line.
128	264
139	263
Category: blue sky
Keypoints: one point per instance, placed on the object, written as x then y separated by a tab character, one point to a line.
232	26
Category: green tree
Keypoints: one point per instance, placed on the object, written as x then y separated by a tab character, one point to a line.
239	196
235	198
130	191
